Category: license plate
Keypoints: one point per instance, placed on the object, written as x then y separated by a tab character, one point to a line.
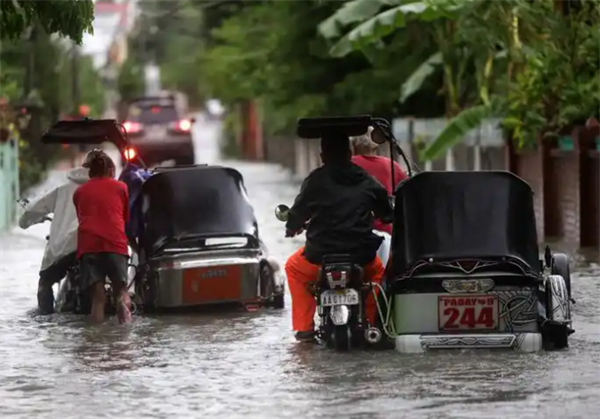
157	133
468	312
348	297
211	284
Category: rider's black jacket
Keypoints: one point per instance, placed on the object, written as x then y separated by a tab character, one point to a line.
340	201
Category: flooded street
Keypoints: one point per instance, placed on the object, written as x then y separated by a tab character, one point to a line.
247	365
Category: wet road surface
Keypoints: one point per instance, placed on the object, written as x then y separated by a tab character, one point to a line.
247	365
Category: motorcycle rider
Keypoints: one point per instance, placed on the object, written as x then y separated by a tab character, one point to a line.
364	149
61	246
338	200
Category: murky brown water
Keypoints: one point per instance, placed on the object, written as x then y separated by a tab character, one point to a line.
248	365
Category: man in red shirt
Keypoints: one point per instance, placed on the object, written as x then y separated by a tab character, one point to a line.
379	167
102	206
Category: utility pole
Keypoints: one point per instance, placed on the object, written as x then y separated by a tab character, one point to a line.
75	79
75	98
30	64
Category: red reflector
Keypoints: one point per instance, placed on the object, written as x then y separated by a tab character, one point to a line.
155	109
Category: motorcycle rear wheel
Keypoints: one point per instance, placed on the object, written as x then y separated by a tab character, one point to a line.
341	338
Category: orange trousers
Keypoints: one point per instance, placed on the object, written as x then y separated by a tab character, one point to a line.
300	273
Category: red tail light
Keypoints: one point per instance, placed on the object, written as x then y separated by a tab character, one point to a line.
132	127
183	125
130	153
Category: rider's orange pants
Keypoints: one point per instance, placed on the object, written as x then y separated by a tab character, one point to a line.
300	273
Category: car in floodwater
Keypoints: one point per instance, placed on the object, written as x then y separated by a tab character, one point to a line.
158	131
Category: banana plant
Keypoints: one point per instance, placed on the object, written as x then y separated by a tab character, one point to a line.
461	30
374	26
352	12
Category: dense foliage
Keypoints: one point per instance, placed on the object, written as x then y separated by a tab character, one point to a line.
271	51
70	18
534	64
40	72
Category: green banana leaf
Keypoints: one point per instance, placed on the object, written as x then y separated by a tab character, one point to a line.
386	22
352	12
416	79
458	127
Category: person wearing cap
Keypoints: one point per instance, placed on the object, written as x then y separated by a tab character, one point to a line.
61	247
364	149
336	204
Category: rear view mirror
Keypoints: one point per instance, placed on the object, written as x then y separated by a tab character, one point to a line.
282	212
377	136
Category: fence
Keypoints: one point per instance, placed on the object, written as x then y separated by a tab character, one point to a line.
565	181
9	183
482	149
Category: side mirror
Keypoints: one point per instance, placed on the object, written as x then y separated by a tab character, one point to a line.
378	136
282	212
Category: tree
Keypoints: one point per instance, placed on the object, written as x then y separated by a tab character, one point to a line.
490	39
70	18
273	51
41	68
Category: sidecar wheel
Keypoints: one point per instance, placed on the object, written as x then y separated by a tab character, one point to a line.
560	266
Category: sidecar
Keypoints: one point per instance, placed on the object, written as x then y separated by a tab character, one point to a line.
465	270
199	243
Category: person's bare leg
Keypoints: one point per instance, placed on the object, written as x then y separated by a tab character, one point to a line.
122	301
98	302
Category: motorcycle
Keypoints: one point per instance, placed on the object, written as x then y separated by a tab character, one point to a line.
340	293
71	298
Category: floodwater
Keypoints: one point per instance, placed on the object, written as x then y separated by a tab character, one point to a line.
247	365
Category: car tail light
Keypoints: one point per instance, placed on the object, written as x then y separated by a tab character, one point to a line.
130	153
337	279
132	127
183	125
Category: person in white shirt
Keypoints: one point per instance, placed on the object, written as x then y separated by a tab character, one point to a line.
60	252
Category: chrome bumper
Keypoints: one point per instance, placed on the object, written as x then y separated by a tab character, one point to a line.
524	342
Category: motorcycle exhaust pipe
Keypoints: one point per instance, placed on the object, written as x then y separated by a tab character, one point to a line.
373	335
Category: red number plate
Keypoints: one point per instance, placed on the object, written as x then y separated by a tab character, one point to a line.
468	312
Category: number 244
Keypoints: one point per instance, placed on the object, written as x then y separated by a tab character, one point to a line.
485	318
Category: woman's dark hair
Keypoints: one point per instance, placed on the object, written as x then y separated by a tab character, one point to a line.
101	165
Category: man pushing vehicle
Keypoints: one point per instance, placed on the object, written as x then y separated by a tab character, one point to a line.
61	247
337	205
